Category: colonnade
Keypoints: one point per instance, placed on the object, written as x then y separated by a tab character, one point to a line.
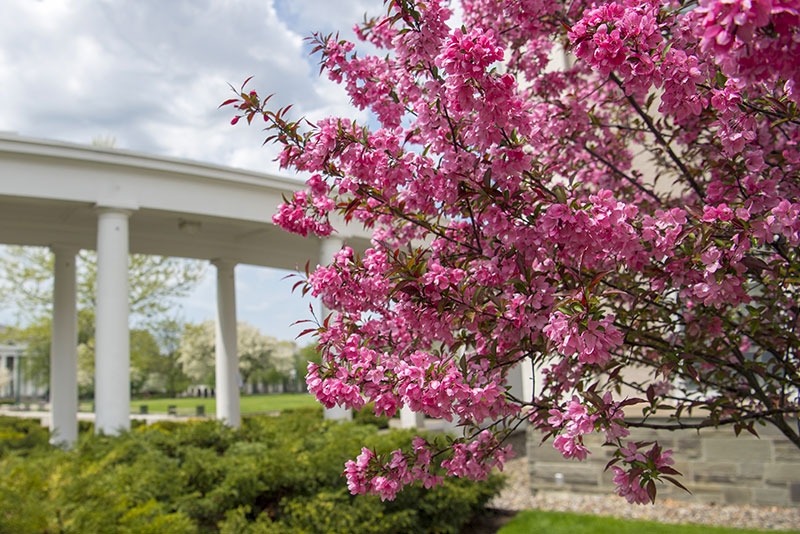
112	334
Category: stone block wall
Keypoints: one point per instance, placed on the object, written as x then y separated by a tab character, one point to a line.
717	466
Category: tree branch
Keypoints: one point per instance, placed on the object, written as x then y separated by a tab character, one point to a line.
660	138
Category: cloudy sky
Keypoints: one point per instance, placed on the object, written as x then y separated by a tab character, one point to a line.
152	73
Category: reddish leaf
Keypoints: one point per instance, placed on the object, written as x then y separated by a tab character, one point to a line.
669	471
306	332
678	484
651	491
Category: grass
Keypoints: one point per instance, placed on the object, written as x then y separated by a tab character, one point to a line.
277	402
569	523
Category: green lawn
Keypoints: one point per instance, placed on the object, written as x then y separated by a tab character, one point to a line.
568	523
249	404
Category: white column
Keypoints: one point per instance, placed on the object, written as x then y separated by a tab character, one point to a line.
64	351
227	358
520	381
411	419
112	388
6	387
329	247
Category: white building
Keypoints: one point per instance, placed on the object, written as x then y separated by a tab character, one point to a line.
13	382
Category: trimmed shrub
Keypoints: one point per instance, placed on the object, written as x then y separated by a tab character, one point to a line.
275	474
22	435
366	416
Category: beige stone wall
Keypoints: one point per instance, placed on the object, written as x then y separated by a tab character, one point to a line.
717	466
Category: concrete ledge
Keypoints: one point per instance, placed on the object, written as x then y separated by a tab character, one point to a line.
717	467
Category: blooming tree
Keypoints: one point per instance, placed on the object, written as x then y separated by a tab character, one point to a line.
625	223
261	357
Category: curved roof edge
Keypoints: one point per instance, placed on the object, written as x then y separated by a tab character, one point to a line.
13	143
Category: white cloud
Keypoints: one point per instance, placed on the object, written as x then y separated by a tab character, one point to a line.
324	16
152	73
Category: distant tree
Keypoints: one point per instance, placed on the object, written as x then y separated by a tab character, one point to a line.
196	352
155	282
262	358
104	141
86	369
145	360
281	366
36	337
255	353
169	376
154	367
26	283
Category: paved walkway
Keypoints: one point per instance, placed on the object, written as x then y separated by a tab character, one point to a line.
44	415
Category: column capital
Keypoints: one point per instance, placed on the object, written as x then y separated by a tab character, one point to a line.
334	240
103	209
64	248
329	247
222	263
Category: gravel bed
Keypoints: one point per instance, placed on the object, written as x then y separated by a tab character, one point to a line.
517	496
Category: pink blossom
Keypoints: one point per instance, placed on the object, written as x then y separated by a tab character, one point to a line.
629	486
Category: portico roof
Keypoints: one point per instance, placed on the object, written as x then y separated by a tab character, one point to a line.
50	193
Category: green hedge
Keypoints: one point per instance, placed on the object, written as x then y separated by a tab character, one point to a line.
275	474
366	416
23	436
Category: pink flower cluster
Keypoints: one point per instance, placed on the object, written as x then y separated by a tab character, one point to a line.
369	473
730	23
622	38
474	460
574	422
331	390
591	343
637	483
302	214
469	55
752	39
